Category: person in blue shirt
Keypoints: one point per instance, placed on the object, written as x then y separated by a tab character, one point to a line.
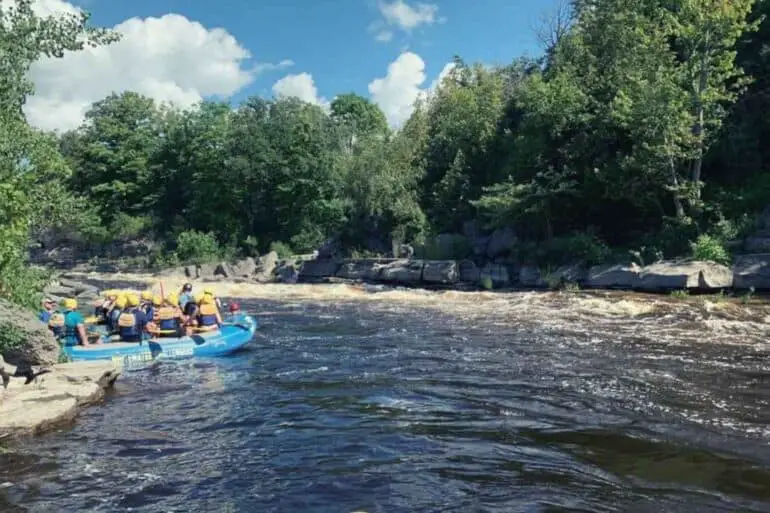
48	306
186	295
73	325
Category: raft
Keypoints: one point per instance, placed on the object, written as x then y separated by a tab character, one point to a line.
233	335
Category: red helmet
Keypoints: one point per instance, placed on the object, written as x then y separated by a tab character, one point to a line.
234	307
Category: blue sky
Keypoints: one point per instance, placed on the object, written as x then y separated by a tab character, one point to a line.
331	40
182	51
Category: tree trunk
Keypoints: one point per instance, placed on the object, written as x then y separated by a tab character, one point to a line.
698	130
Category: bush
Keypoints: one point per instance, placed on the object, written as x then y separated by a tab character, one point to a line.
194	247
282	249
580	247
710	249
126	227
444	247
22	284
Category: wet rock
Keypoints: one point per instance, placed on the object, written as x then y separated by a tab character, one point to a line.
59	291
288	273
530	276
684	275
206	271
403	251
319	269
501	242
757	243
495	274
366	269
54	397
571	273
266	267
224	270
469	272
38	345
752	271
329	250
617	276
408	272
440	271
191	271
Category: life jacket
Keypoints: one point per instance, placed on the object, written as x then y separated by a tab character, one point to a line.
69	334
207	315
129	325
167	318
56	323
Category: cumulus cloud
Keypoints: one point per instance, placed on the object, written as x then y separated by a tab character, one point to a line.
300	85
401	15
169	58
397	92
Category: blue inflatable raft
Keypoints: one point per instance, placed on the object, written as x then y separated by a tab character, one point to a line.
233	335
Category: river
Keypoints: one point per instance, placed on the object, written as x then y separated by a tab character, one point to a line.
407	401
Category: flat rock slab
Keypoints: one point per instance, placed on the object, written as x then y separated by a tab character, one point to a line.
54	398
440	271
613	276
684	275
752	271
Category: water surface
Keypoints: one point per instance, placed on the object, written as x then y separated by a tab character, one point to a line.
419	402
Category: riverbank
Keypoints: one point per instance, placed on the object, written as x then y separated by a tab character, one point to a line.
53	399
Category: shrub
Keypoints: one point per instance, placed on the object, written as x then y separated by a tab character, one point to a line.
710	249
281	248
444	247
194	247
126	227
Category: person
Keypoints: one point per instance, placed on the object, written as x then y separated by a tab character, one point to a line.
210	292
48	306
168	320
185	296
131	321
233	309
114	313
74	329
191	313
146	304
103	308
209	318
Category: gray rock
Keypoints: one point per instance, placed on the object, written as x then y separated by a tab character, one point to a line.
752	271
497	274
613	276
469	272
318	269
191	271
266	267
530	276
440	271
57	290
408	272
224	270
329	250
39	346
501	242
571	273
244	267
366	269
472	230
479	246
288	273
205	271
684	275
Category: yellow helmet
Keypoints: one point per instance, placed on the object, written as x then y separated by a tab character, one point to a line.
209	291
70	303
109	293
198	297
132	300
157	301
172	299
147	295
121	301
208	299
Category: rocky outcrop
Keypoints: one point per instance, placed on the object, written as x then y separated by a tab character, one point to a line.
24	339
440	272
752	271
704	276
613	276
53	398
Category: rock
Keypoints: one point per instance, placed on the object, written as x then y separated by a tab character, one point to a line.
501	242
288	273
479	246
204	271
757	243
613	276
319	269
367	269
266	266
440	271
571	273
329	250
684	275
54	398
752	271
471	230
39	346
245	267
408	272
530	276
224	270
78	287
469	273
57	290
404	251
191	271
451	246
496	274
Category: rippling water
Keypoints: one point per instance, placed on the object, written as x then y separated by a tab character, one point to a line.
426	402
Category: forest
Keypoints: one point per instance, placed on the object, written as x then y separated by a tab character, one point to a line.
641	132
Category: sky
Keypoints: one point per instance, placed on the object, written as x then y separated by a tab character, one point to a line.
182	51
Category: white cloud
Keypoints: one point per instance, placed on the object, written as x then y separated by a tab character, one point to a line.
405	16
397	91
384	36
445	71
300	85
170	58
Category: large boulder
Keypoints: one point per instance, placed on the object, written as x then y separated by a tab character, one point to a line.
570	273
329	250
530	276
408	272
244	267
440	271
469	272
501	242
314	269
24	339
613	276
287	272
266	266
684	275
367	269
495	274
752	271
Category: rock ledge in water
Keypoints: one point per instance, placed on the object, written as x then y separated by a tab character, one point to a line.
54	398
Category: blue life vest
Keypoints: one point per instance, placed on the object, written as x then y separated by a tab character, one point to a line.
69	335
130	324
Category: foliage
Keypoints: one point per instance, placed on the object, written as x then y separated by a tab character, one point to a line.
11	337
194	247
710	249
283	250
